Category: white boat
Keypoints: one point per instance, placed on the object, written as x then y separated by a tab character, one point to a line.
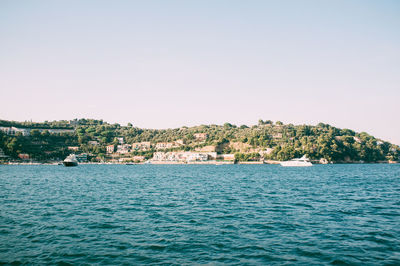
303	161
70	160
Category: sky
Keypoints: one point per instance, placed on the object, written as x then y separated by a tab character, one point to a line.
166	64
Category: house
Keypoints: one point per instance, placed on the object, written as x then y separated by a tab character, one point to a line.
141	146
124	148
24	156
200	136
73	148
93	142
110	148
120	140
166	145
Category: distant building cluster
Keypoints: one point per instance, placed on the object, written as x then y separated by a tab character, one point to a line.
27	131
142	146
14	130
184	156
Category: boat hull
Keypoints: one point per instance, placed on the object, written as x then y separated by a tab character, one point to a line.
295	164
69	164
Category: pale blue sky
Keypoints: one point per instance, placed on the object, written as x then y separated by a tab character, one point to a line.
161	64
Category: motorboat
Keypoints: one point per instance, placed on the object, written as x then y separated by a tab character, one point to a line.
303	161
70	160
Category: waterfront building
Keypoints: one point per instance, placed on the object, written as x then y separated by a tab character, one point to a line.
183	156
226	157
138	158
24	156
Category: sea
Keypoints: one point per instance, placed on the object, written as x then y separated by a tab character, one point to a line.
200	214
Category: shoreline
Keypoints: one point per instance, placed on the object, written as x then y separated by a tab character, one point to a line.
190	163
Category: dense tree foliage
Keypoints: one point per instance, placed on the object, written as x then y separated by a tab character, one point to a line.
283	141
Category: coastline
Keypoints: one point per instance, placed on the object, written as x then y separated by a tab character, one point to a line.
192	163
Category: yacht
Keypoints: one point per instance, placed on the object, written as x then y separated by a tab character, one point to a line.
70	160
303	161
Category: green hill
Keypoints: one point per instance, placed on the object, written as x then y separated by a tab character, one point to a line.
275	141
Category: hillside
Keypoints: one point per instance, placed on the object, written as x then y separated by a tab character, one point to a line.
274	141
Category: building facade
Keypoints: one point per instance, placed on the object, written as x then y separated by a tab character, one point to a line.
110	148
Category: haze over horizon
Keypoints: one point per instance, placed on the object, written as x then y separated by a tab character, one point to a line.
166	64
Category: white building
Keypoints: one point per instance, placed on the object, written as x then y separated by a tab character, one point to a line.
14	130
27	131
184	156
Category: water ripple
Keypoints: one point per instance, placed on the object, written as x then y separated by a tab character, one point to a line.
237	214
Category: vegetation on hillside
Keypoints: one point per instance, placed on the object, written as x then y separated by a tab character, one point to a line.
274	141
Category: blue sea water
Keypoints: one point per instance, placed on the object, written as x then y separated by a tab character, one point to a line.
200	214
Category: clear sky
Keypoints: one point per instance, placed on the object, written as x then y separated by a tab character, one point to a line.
162	64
